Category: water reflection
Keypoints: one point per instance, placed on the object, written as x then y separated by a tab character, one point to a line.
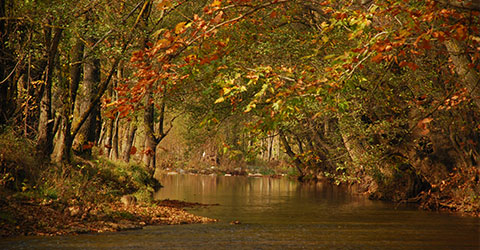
254	192
206	189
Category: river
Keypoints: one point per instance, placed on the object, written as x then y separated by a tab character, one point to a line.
278	214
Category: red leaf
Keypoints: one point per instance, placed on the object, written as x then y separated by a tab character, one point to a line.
133	150
88	145
359	50
440	35
425	44
412	66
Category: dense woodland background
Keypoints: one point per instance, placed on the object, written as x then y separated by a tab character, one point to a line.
381	93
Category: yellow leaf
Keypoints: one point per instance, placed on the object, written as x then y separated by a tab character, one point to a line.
216	3
226	91
219	100
250	107
157	33
164	4
110	104
180	27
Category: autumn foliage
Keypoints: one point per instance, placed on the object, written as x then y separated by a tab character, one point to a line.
382	94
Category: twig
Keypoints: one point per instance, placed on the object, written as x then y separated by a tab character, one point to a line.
13	70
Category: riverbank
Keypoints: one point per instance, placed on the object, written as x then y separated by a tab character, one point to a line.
28	216
83	196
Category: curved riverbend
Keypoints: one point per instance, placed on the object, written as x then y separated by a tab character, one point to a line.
279	213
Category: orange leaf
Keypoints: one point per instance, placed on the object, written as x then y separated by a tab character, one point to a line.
378	58
218	17
427	120
461	32
423	125
425	132
440	35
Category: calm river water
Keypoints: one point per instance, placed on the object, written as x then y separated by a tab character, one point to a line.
279	214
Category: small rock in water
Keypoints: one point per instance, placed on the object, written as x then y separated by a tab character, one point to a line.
228	175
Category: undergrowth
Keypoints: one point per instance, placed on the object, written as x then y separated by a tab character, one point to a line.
96	180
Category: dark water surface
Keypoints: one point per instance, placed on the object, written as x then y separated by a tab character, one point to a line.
279	214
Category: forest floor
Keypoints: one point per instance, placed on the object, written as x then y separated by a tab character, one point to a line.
83	196
29	216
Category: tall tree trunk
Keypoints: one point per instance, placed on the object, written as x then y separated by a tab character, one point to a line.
115	124
468	75
352	144
465	4
151	141
45	124
129	141
65	138
150	138
6	84
114	152
103	85
86	136
288	150
270	147
110	121
109	136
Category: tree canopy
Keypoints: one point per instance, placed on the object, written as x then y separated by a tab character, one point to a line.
380	92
